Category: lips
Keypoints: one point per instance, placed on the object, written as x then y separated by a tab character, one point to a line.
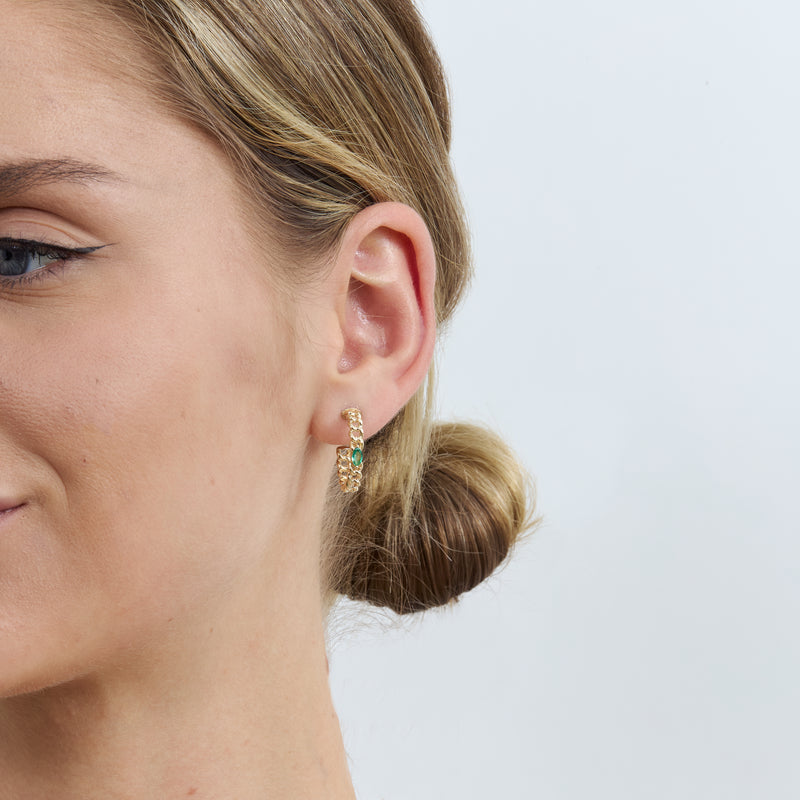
7	506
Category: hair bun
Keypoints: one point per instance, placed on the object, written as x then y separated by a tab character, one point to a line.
472	502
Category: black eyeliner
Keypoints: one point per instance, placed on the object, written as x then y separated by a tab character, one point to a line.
41	247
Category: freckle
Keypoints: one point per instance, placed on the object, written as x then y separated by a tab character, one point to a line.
213	481
85	460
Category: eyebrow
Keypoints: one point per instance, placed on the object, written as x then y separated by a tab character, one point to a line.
19	177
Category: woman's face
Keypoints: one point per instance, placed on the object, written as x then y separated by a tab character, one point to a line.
149	417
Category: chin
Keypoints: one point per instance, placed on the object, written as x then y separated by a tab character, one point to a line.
34	663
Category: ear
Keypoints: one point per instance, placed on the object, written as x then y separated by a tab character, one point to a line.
382	288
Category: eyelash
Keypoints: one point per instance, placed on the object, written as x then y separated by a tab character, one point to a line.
63	256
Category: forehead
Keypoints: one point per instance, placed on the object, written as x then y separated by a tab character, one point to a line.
73	86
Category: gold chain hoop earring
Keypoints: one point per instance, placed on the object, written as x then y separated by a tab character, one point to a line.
350	460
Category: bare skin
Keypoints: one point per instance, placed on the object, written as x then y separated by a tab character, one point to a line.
166	441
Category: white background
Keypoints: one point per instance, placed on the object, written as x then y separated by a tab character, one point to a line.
632	172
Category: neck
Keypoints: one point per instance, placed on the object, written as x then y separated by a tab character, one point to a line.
240	710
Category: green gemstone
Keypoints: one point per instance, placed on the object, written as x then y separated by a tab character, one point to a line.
357	457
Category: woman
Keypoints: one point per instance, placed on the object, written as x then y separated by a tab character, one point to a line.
228	232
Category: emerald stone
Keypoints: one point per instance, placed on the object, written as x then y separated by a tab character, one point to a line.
357	457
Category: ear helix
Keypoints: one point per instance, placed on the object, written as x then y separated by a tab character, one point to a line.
350	460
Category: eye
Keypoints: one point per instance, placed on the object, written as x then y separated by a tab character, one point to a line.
20	256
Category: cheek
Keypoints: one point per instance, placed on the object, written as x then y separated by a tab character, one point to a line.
182	422
152	447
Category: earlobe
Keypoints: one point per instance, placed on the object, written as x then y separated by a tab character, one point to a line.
385	271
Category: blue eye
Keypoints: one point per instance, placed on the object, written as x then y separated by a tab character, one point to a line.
20	257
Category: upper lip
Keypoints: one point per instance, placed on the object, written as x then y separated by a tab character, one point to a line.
8	505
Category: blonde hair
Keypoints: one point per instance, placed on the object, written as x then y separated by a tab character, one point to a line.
326	107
